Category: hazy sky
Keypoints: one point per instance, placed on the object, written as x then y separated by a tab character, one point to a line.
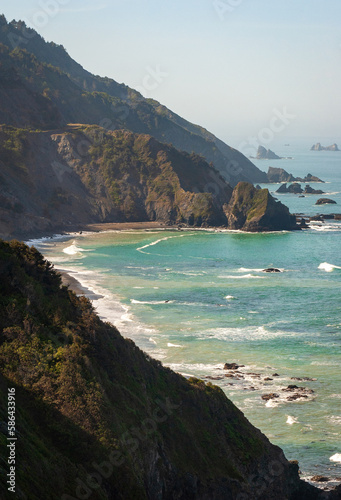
232	66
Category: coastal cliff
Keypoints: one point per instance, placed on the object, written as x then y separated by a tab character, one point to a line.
98	418
63	179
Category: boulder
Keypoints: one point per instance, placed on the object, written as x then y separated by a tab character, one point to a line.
232	366
272	395
320	479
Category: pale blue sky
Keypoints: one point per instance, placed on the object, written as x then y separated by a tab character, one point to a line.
224	64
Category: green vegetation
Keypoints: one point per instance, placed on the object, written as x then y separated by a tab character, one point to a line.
13	148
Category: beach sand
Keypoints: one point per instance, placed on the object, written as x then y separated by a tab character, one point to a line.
121	226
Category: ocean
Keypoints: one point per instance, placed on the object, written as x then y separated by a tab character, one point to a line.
197	299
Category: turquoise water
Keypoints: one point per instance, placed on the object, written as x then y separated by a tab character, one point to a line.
199	299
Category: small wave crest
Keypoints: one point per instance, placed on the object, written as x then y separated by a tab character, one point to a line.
336	458
325	266
243	276
291	420
151	302
141	249
73	249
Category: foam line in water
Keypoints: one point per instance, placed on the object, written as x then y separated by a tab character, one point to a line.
244	276
141	249
151	302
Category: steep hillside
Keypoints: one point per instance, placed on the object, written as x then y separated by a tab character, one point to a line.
97	418
81	97
55	180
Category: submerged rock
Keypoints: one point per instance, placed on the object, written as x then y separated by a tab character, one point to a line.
320	479
272	395
271	270
232	366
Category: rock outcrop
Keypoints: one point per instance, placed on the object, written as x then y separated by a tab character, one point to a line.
251	209
266	154
296	188
293	188
318	147
279	175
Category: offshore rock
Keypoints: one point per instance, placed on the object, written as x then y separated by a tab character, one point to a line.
325	201
318	147
266	154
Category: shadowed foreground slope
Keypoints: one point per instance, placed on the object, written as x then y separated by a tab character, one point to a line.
97	418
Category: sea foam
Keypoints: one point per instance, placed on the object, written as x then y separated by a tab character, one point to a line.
328	267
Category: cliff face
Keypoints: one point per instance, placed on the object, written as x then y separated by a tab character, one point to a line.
97	418
42	87
55	180
252	209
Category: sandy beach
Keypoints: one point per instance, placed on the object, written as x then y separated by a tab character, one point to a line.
122	226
